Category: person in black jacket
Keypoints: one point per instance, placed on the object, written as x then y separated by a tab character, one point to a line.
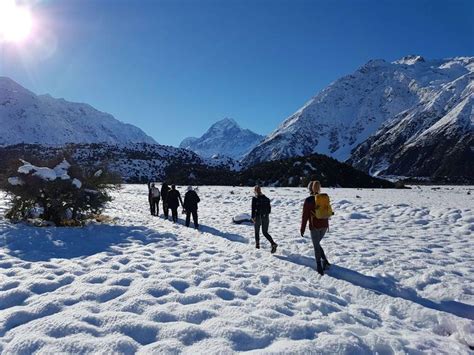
174	200
191	200
261	209
164	196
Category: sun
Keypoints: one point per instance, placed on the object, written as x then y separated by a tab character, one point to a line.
15	21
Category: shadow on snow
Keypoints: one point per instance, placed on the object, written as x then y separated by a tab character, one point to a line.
386	286
211	230
230	236
43	244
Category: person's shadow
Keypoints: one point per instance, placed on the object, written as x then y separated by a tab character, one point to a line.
229	236
386	286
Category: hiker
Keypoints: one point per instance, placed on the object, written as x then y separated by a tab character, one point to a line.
164	197
191	200
261	209
316	211
154	199
174	200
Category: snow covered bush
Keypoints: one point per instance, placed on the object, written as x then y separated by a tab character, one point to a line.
63	194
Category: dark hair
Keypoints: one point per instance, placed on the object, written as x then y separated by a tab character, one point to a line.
173	186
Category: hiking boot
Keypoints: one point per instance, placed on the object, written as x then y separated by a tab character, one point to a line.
274	248
257	246
326	264
319	269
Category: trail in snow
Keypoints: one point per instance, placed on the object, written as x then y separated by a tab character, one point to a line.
401	280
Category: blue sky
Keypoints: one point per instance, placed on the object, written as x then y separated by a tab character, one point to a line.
174	67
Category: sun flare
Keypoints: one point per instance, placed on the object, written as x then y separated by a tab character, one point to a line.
15	21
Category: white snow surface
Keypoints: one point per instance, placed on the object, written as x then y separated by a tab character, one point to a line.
29	118
402	279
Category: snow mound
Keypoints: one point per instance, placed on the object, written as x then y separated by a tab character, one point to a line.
60	171
242	218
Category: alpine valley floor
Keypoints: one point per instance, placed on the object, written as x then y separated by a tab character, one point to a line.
402	279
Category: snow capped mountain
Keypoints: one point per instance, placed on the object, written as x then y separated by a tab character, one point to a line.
224	137
42	119
434	139
409	103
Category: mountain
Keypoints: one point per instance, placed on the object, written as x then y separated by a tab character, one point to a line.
224	138
384	118
435	139
42	119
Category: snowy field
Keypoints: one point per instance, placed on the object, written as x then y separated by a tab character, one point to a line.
402	279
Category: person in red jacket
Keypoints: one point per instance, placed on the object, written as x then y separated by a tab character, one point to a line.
317	227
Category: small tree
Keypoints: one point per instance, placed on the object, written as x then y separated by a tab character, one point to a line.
63	194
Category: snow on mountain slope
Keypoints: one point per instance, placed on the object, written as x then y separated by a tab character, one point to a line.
435	139
29	118
353	108
224	137
401	280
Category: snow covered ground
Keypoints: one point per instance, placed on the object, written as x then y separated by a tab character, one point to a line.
402	279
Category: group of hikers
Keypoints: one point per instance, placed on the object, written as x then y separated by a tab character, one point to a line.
316	213
171	199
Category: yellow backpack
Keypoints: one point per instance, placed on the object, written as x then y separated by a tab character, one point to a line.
324	210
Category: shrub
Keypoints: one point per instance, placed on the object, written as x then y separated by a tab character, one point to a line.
60	193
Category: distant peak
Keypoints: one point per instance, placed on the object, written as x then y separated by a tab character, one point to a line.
410	59
228	120
225	123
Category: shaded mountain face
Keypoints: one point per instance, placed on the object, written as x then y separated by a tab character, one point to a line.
384	117
434	140
224	138
41	119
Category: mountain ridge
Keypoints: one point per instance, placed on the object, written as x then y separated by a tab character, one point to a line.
41	119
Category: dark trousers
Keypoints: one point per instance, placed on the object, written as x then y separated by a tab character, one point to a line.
264	221
316	236
165	209
174	213
195	218
155	206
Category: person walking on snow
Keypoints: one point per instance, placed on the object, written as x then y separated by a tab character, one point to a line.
154	199
174	200
317	226
191	200
164	196
261	209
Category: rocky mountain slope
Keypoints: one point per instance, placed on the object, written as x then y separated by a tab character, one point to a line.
385	118
434	139
223	138
140	163
41	119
